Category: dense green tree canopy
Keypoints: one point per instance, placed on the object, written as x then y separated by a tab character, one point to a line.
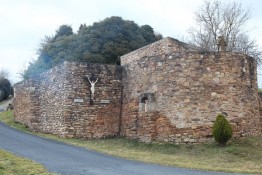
5	88
103	42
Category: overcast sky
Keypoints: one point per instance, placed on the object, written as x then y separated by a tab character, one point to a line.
25	22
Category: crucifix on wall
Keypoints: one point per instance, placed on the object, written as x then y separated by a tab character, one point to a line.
92	82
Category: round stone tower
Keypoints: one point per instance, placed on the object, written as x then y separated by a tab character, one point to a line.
185	89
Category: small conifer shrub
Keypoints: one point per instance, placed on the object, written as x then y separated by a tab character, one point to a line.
222	130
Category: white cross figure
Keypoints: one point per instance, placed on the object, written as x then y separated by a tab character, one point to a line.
92	89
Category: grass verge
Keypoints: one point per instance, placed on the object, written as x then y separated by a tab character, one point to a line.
242	156
13	165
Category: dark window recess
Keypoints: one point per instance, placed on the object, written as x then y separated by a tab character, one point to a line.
147	102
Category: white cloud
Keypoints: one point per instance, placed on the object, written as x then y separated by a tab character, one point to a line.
13	60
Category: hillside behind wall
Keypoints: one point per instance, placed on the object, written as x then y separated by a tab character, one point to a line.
185	90
58	101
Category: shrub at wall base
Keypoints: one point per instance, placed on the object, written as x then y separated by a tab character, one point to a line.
222	130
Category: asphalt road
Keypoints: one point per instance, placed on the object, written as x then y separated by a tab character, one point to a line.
2	108
4	104
70	160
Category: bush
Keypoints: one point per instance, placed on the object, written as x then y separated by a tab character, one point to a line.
12	91
222	130
2	94
5	89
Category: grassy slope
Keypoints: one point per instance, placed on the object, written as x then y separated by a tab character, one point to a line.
243	156
13	165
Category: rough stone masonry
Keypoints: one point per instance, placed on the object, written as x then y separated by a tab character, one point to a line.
167	91
58	101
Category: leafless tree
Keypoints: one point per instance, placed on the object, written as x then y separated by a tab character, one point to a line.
216	19
4	73
21	71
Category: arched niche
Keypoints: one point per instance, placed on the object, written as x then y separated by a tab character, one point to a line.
147	102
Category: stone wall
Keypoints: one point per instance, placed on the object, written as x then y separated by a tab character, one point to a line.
185	90
167	91
26	95
58	101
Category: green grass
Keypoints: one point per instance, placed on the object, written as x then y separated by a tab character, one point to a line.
242	156
13	165
7	118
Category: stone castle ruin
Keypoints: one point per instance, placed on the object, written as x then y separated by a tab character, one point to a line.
167	91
